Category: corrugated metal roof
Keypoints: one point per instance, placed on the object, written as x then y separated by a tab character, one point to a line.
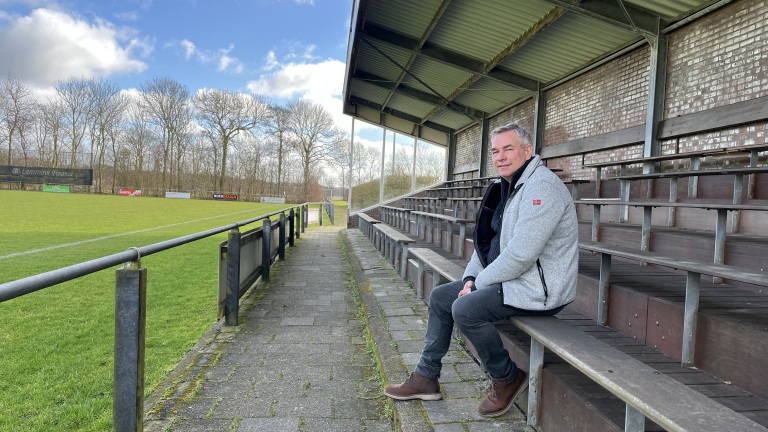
442	65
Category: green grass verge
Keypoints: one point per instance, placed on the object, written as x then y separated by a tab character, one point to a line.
56	347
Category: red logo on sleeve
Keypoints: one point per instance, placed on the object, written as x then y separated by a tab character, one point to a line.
537	202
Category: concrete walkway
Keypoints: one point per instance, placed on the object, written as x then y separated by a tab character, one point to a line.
315	347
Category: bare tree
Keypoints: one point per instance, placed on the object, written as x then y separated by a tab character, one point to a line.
166	102
50	128
223	115
108	106
77	98
138	137
16	106
276	125
312	129
339	158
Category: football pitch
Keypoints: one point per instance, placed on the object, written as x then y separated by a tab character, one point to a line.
56	345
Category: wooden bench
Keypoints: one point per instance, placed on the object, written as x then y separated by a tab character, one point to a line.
427	260
428	218
455	191
398	217
423	203
720	224
365	223
694	271
393	243
464	204
646	392
694	156
575	186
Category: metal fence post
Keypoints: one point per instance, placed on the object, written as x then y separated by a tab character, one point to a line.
231	303
266	249
291	228
332	214
281	237
305	217
298	224
130	327
320	213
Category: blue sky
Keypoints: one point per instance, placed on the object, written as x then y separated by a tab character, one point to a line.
279	49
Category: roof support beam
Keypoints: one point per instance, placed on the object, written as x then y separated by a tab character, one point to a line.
613	12
375	33
417	94
435	19
399	114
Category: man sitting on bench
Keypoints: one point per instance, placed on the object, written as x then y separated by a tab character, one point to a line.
525	263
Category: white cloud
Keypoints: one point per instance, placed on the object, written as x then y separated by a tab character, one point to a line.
189	48
320	82
48	45
301	79
270	62
220	57
127	16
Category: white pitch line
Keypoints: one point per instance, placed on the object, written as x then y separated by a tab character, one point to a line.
45	249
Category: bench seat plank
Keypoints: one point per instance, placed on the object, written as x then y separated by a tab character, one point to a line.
660	398
720	270
691	173
429	260
390	240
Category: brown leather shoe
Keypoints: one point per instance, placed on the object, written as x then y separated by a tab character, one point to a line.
415	387
502	396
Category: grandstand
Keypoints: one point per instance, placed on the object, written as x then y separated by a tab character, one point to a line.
654	115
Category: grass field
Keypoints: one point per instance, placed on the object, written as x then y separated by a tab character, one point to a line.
56	345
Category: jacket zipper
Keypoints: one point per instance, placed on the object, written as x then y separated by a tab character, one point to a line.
543	282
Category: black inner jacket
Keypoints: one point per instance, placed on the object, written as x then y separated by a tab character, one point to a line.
489	219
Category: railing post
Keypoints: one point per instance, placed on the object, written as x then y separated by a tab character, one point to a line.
298	229
281	237
266	249
231	302
305	217
130	327
291	228
332	208
320	212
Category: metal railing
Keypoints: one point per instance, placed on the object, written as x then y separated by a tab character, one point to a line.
131	296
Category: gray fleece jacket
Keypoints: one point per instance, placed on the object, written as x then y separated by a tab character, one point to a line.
538	264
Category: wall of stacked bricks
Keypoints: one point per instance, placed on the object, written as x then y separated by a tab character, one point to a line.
715	61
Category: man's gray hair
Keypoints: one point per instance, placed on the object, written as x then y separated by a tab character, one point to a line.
522	133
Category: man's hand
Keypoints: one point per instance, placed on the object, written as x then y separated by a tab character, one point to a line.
468	285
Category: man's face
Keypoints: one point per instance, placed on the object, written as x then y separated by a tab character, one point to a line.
509	153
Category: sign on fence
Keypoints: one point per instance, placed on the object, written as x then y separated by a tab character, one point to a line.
130	192
274	200
225	197
55	188
62	176
181	195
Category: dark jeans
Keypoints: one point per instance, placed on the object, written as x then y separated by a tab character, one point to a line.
474	314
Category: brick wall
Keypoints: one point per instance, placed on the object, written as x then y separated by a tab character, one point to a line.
468	146
609	98
718	60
